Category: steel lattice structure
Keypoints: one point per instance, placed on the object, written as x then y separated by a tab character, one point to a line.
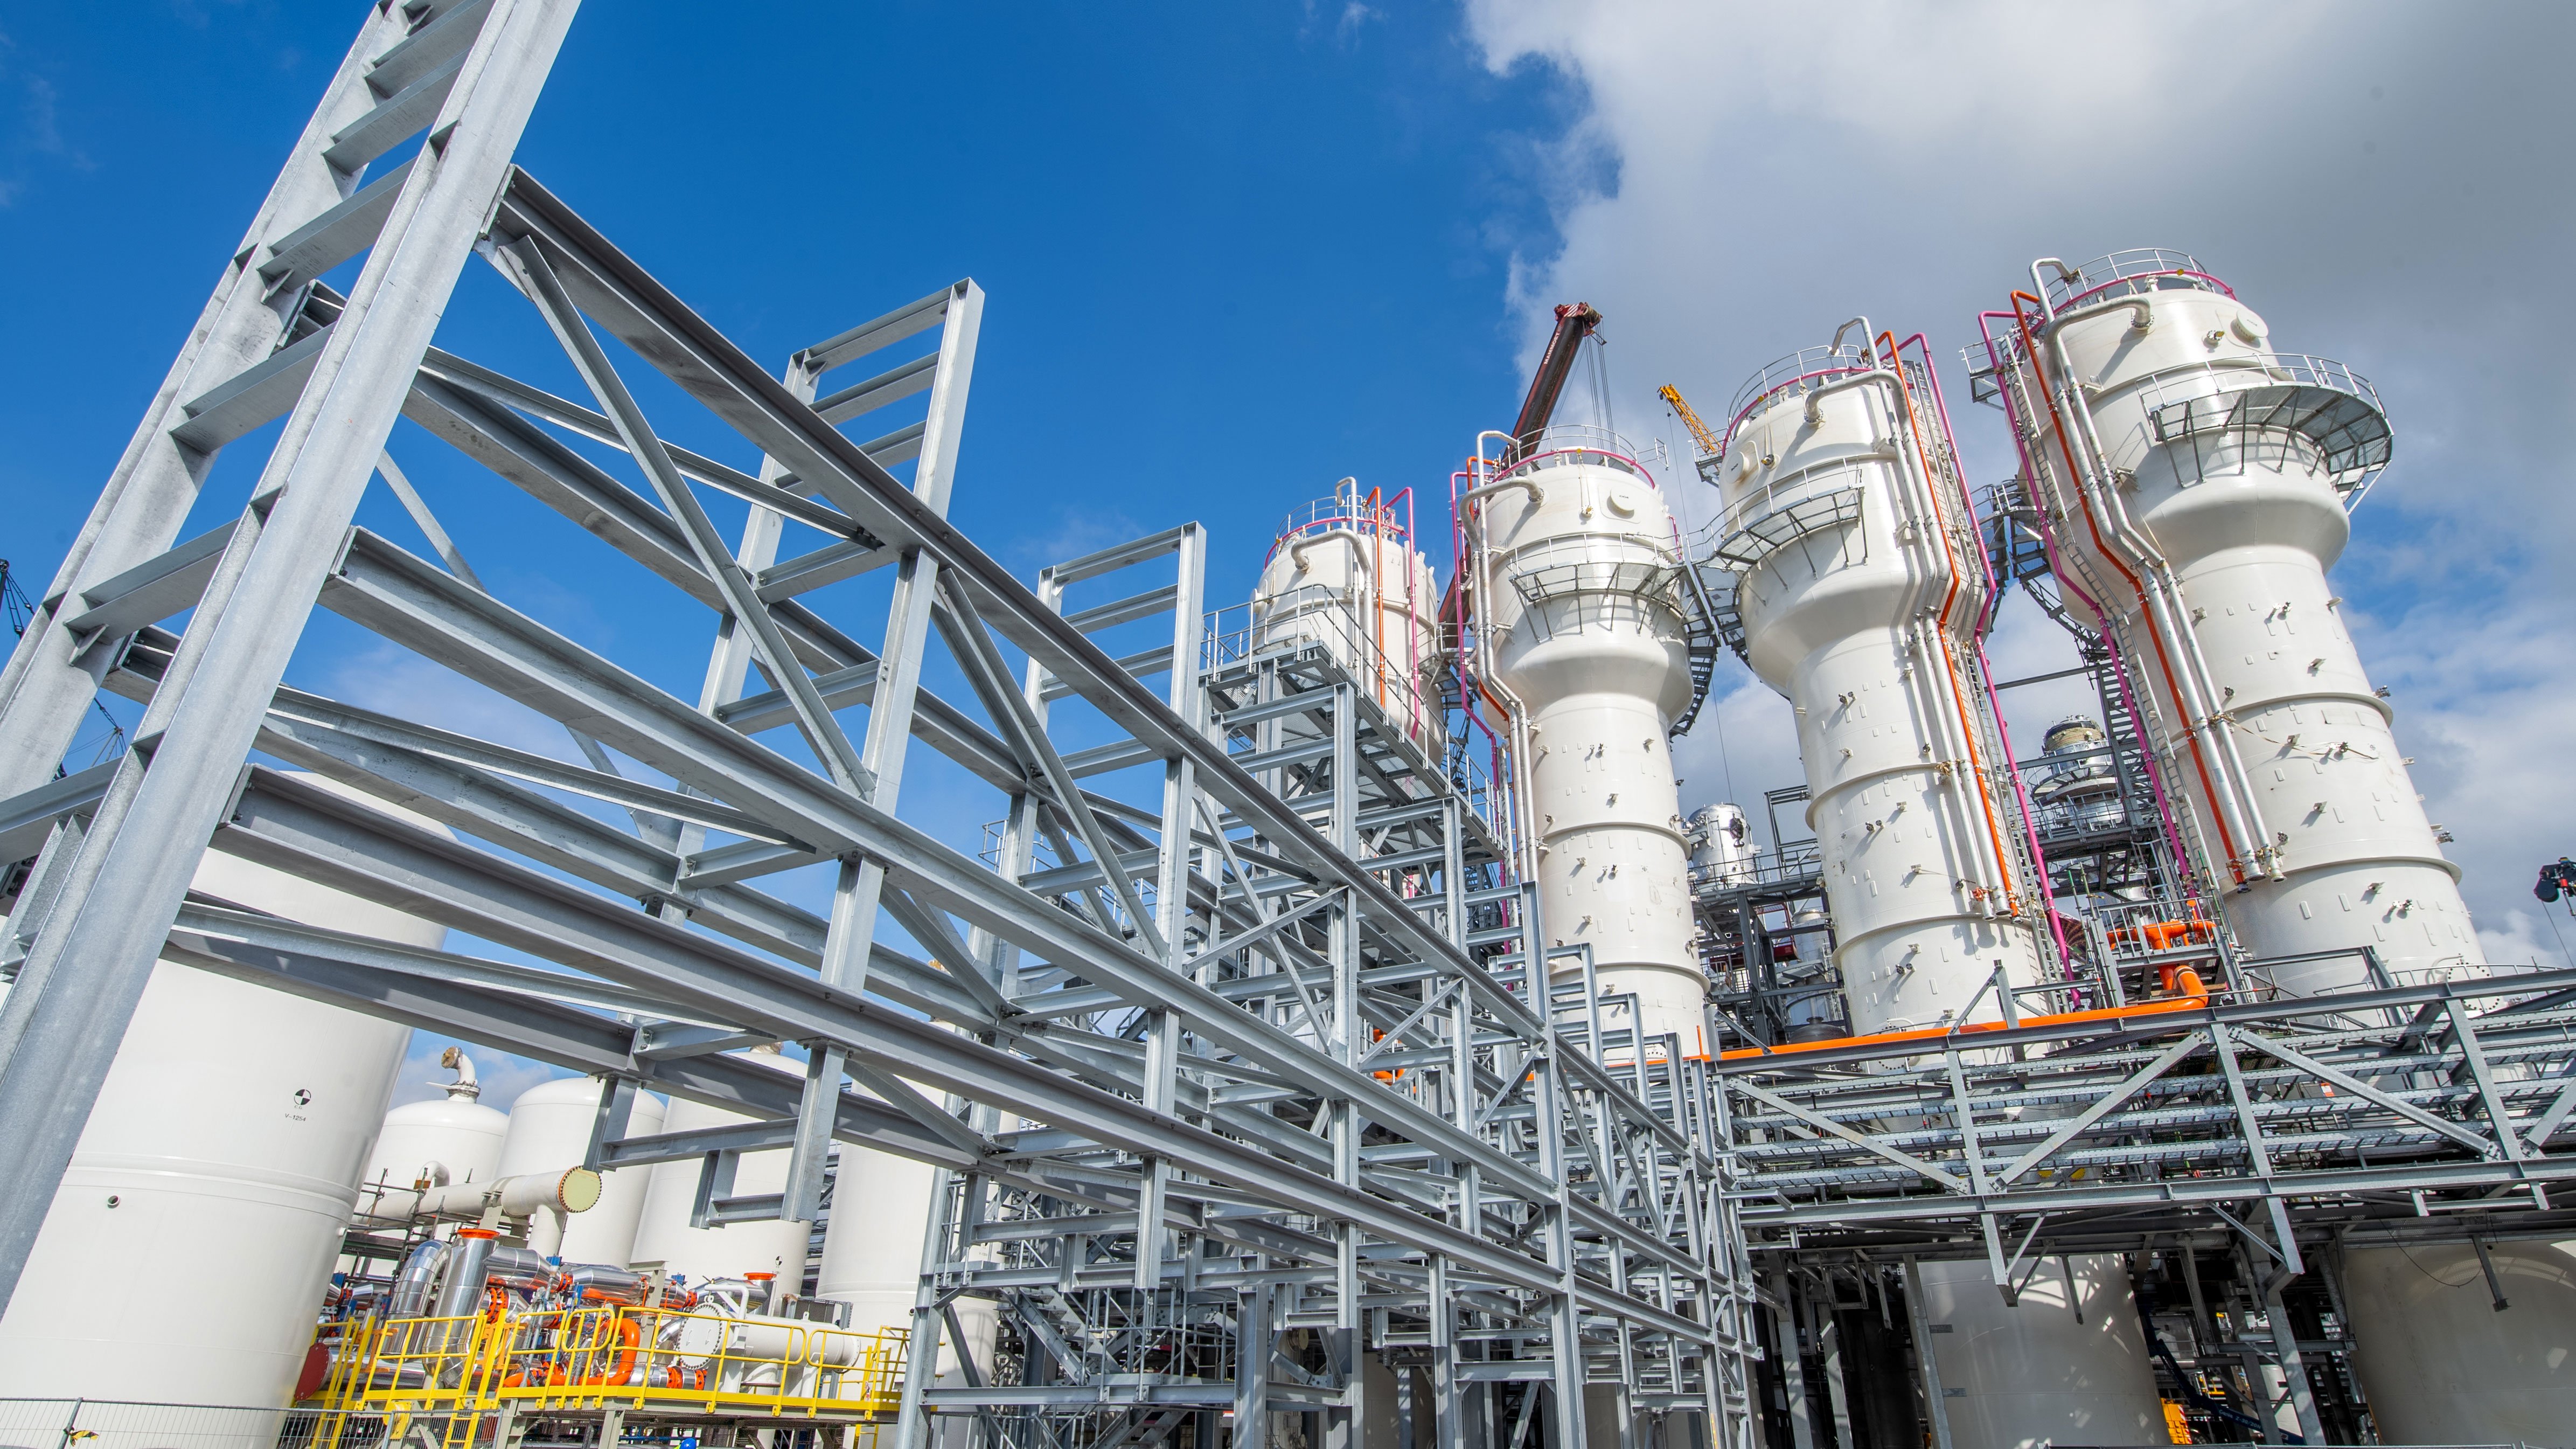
1234	1035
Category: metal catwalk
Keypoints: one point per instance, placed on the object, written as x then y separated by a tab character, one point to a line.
1241	1094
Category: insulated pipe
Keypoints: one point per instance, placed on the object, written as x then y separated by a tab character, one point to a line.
465	1087
460	1289
1985	622
412	1281
2196	674
604	1283
2082	479
2143	553
1923	511
1297	550
1471	523
572	1190
1484	490
2023	431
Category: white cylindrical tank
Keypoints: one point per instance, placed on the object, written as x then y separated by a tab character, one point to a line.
1578	568
2024	1377
663	1237
1721	845
2195	482
455	1139
2440	1365
1861	593
550	1131
872	1246
1345	574
185	1255
872	1252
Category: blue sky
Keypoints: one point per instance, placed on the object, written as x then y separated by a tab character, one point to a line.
1233	253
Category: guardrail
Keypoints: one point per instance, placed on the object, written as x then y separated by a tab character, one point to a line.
610	1357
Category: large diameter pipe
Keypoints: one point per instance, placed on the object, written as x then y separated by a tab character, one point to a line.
569	1190
460	1288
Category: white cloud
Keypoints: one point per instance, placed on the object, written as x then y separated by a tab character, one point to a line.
1737	179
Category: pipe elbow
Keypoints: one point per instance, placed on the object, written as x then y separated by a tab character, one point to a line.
1526	485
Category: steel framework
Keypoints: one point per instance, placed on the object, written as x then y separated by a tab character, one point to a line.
1232	1039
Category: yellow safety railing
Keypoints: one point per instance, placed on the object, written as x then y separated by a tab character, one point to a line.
637	1360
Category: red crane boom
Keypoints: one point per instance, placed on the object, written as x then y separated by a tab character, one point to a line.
1574	322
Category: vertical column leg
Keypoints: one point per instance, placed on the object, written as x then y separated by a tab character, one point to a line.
1934	1408
2285	1342
1829	1337
1793	1365
1252	1369
1448	1410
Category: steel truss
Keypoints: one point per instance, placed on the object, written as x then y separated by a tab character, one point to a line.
2265	1117
1233	1038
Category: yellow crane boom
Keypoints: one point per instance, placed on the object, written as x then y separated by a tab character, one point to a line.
1701	438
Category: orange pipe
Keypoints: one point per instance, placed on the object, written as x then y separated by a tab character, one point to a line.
628	1338
2164	664
1949	656
2195	997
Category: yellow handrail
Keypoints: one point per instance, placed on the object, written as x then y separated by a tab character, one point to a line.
635	1359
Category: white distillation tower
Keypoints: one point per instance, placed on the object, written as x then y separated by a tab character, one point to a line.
1345	575
1862	590
2196	485
1576	566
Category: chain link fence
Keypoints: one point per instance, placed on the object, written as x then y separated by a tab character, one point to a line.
109	1424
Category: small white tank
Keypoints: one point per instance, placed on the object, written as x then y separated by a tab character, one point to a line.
186	1252
663	1237
1345	574
550	1131
1721	845
455	1139
2033	1375
2440	1365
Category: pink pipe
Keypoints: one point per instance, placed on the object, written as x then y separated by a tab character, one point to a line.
1985	621
2048	544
